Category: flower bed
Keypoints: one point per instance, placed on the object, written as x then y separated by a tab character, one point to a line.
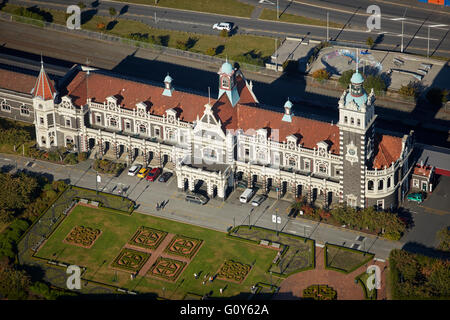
82	236
233	271
319	292
183	246
148	238
130	260
167	269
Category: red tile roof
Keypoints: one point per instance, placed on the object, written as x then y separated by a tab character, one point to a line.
44	87
245	115
422	170
16	81
387	150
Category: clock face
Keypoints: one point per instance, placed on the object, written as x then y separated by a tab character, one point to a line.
351	152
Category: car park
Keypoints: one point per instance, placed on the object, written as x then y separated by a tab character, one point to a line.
196	198
143	172
260	198
416	197
165	176
153	174
222	26
134	169
246	195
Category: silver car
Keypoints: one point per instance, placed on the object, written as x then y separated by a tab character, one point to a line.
134	169
260	198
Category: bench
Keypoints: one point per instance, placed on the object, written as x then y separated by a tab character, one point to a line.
85	201
264	242
275	245
94	203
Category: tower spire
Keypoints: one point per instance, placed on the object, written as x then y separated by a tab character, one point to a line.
43	87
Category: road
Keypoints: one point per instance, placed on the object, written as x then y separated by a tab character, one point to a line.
354	19
216	214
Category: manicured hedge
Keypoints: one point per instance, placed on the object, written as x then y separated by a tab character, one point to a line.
370	256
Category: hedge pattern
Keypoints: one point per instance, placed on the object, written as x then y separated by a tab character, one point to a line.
148	238
233	271
82	236
183	246
319	292
166	268
130	260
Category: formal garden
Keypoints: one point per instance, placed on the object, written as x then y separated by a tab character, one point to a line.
147	254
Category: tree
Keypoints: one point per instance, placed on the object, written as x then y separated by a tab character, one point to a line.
112	12
370	42
321	74
437	96
410	90
14	283
344	79
374	82
81	5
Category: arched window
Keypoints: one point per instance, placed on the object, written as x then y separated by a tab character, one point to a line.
345	119
358	121
225	82
6	107
142	129
24	110
388	182
370	185
292	162
352	121
380	184
113	122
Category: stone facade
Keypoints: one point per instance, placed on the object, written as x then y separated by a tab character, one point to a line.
219	142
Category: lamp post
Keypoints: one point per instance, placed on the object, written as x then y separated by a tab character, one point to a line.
428	42
278	16
328	34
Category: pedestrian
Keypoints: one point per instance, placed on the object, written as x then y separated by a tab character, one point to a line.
211	279
221	290
195	275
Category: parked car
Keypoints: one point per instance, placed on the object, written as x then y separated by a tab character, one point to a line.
246	195
260	198
134	169
417	197
153	174
196	198
143	172
165	176
222	26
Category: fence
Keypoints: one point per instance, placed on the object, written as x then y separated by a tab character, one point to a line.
135	43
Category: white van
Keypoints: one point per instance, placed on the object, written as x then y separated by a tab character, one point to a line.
246	195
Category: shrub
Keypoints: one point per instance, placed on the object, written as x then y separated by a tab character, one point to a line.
290	67
321	74
101	26
370	42
81	5
376	83
410	90
211	51
437	96
344	79
224	33
82	156
250	57
71	158
444	239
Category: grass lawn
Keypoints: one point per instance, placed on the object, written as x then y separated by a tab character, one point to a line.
370	295
117	229
268	14
345	259
235	45
227	7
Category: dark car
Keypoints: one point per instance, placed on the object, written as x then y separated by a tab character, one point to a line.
196	198
165	176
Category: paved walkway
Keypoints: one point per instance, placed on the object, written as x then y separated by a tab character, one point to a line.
344	284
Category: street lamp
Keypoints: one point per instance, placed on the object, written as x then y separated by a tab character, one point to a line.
402	20
328	34
428	43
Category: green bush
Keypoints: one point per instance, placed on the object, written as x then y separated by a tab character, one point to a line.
321	74
211	51
437	96
82	156
376	82
250	58
224	33
411	90
71	158
444	239
10	237
344	79
370	42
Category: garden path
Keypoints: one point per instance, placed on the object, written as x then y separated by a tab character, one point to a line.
344	284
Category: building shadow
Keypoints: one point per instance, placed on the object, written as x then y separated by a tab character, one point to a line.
415	247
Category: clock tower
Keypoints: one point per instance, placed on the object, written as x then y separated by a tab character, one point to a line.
356	134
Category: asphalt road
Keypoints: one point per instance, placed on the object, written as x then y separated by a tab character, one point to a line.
355	29
216	214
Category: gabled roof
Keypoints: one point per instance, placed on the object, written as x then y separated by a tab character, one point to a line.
44	87
387	150
17	81
424	170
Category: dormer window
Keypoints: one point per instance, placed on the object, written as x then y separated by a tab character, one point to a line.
225	82
358	121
